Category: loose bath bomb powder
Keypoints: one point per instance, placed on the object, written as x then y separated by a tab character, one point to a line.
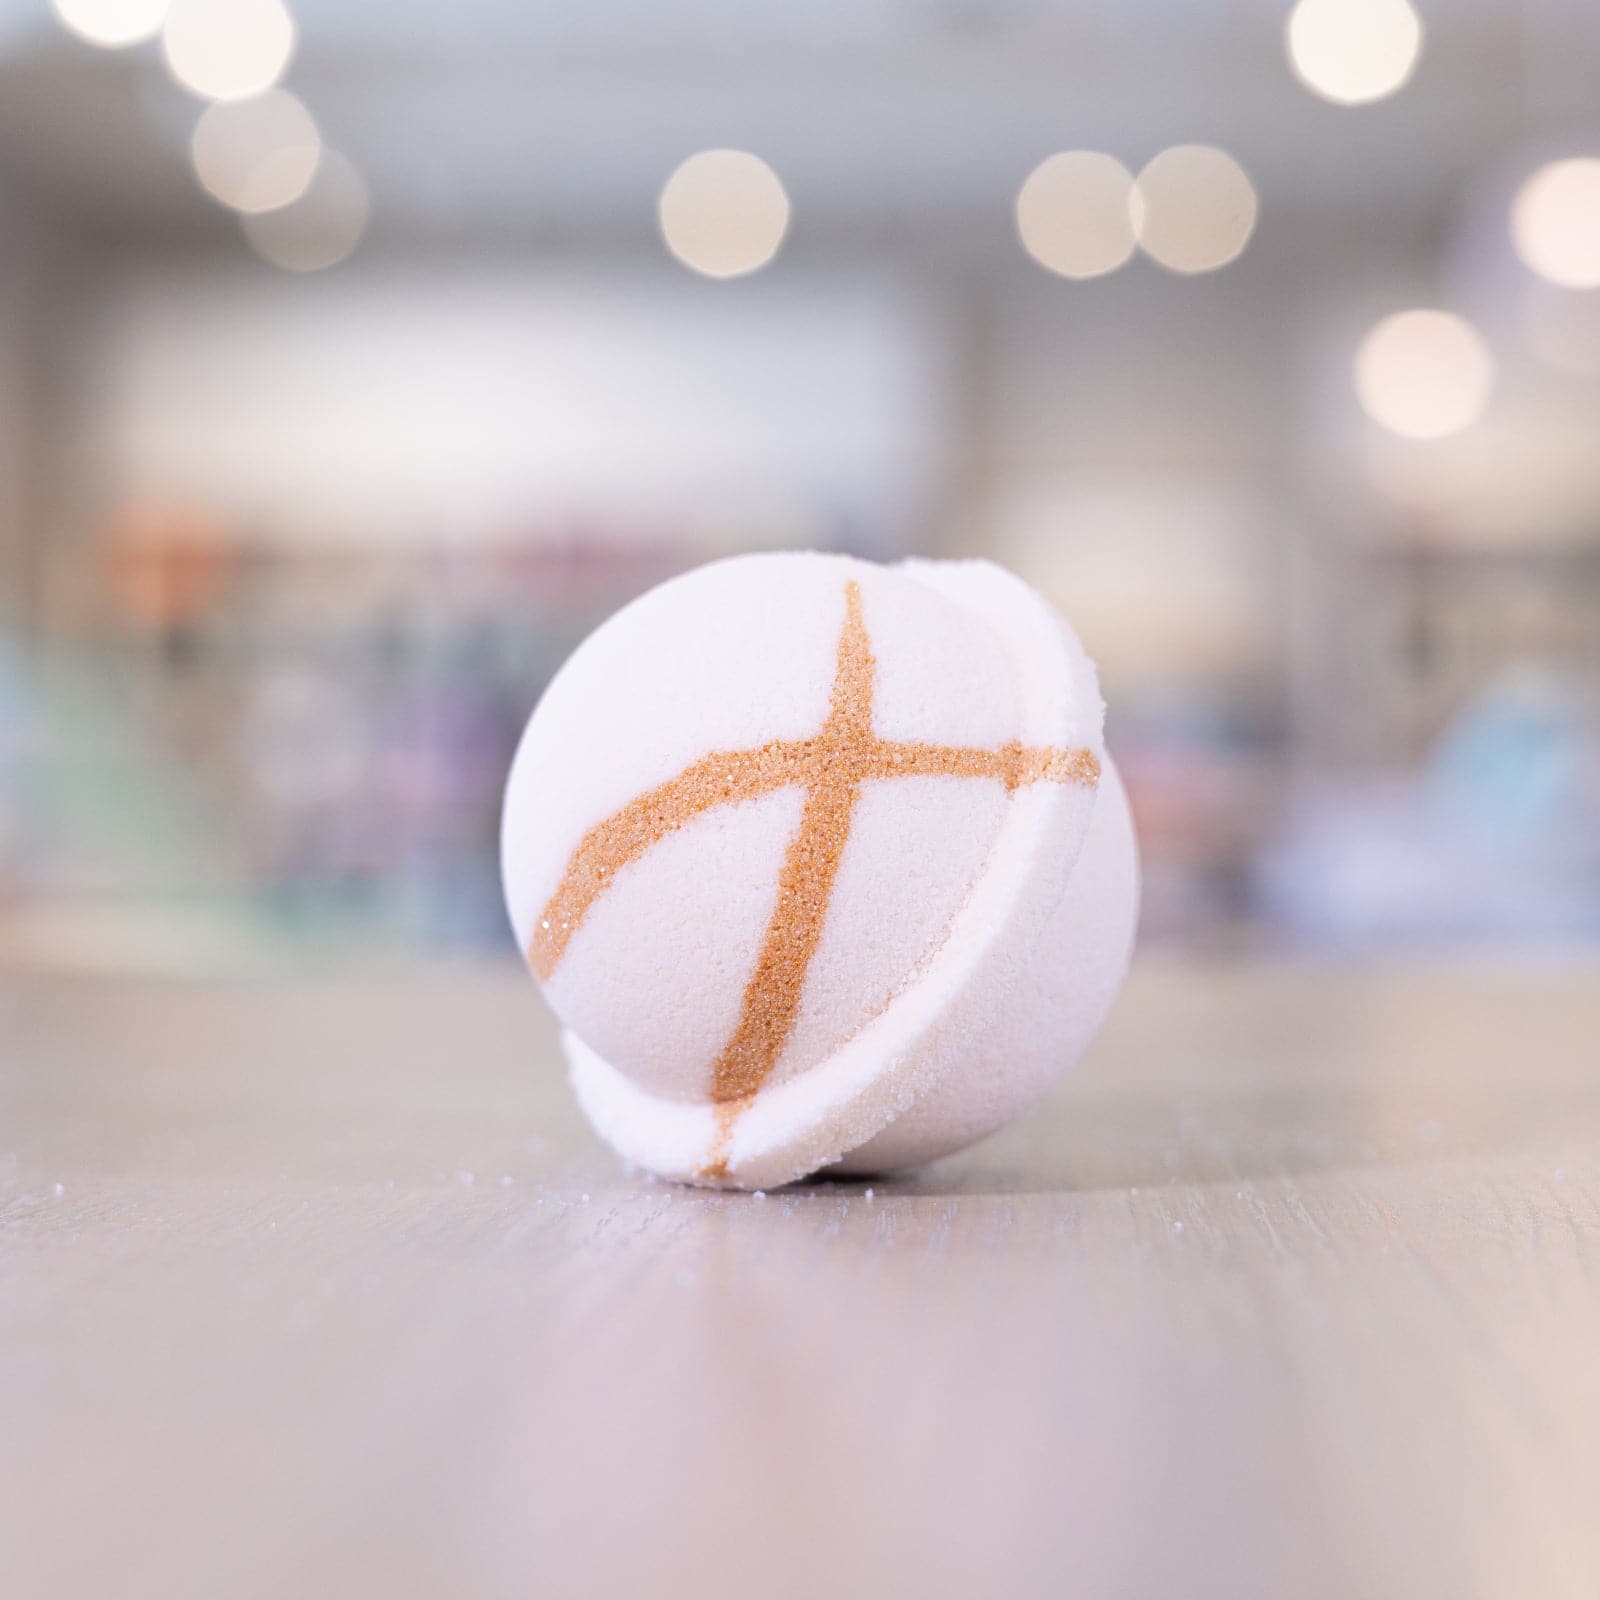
821	864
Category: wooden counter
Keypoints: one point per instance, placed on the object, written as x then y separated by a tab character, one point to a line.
1293	1290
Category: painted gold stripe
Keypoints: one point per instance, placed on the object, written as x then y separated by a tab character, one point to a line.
723	778
805	884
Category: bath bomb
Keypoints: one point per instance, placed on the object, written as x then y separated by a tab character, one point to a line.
820	863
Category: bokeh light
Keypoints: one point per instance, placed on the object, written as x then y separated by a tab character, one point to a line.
1555	222
724	213
228	49
321	228
111	23
1354	51
1424	374
1073	214
1193	208
257	154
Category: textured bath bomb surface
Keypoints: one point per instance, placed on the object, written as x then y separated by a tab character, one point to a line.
817	859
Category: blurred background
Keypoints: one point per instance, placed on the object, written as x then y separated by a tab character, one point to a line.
355	362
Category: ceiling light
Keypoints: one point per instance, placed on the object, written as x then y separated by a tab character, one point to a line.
228	49
111	23
1073	214
257	154
724	213
1555	222
1424	374
322	227
1194	208
1354	51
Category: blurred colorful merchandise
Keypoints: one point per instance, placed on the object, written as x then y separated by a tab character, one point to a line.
13	734
280	751
167	566
1496	842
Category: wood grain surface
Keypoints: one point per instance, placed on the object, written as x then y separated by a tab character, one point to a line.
1293	1289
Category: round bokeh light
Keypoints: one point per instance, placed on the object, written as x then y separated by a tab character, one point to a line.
1353	52
1555	222
257	154
724	213
1424	374
228	49
1194	208
1073	214
322	227
112	24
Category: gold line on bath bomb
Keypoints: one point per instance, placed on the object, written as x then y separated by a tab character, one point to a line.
820	863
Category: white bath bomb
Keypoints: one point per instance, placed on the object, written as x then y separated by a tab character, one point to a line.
820	862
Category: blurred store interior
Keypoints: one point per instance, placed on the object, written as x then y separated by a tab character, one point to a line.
354	363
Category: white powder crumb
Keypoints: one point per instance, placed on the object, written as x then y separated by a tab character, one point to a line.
869	1194
1177	1227
505	1180
58	1190
760	1194
584	1198
467	1178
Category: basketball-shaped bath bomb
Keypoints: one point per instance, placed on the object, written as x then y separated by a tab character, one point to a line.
820	863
